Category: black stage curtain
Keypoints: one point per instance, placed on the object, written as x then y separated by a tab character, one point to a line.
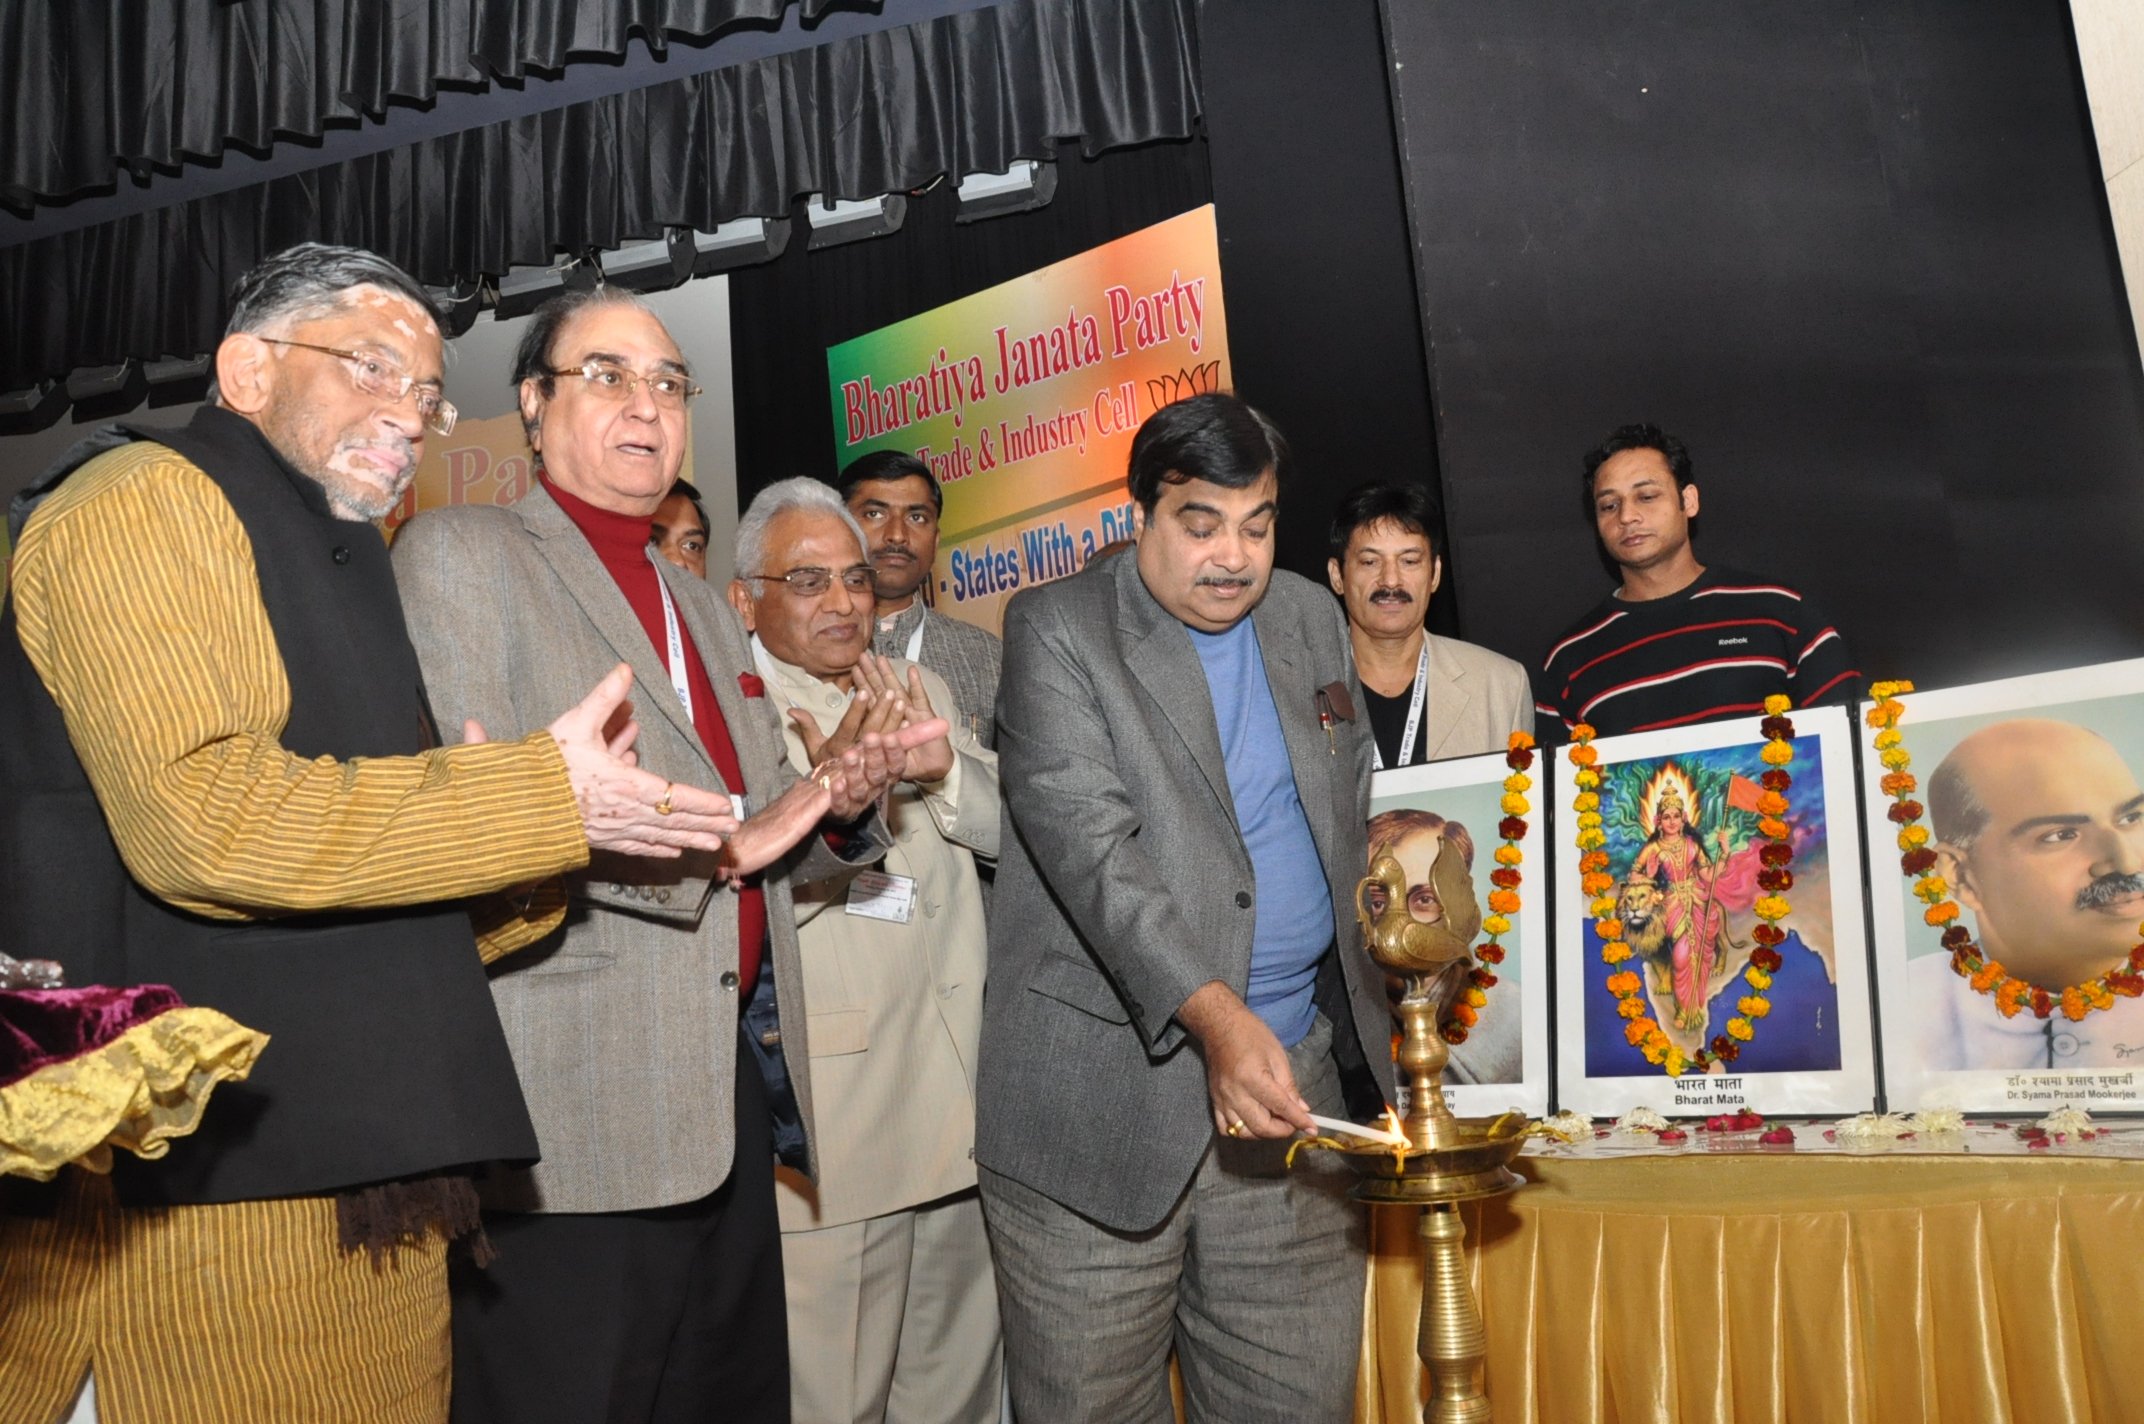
1322	318
1857	253
785	313
884	112
105	87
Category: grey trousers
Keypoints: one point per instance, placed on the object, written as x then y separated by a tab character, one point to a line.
1255	1278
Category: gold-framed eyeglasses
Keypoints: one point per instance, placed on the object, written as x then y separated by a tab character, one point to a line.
811	582
670	389
374	377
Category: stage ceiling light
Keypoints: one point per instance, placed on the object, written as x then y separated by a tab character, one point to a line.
651	266
459	305
584	273
523	289
178	380
101	392
32	407
1023	187
740	242
853	219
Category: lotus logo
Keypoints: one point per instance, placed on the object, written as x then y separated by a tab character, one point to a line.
1196	381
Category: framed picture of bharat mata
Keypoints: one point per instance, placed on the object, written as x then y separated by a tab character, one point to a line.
1452	809
1735	931
2007	911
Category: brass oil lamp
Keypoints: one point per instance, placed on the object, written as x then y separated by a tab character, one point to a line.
1447	1160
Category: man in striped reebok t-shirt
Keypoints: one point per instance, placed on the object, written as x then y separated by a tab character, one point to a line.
1678	642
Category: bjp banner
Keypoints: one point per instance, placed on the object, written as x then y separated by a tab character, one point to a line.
482	462
1023	400
485	461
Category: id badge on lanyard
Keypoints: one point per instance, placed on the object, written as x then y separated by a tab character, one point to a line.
1414	713
679	683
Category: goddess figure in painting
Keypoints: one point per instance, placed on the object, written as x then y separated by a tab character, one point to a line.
1673	911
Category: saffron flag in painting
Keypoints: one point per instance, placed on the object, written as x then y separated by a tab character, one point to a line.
1689	954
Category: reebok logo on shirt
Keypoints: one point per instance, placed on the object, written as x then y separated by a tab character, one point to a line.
1717	649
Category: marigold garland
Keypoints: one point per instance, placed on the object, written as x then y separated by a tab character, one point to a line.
1775	879
2012	995
1504	899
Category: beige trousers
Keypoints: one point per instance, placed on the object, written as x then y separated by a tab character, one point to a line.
894	1320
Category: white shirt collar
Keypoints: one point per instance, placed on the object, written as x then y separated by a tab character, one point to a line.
1960	1028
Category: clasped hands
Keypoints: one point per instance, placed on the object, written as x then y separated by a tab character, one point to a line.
630	811
882	706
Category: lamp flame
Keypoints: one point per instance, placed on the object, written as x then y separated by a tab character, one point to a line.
1400	1142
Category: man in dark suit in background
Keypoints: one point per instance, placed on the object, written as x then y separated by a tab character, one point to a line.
1176	973
680	529
896	499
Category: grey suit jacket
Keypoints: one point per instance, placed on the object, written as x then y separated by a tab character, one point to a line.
624	1024
1476	698
1123	884
967	657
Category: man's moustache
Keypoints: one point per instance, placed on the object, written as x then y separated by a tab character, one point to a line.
1215	581
1391	595
893	556
2107	889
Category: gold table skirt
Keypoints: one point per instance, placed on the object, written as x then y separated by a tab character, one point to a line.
1782	1289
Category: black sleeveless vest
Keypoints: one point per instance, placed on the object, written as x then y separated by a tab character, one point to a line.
385	1056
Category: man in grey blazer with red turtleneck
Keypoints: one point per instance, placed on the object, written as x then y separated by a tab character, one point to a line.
639	1265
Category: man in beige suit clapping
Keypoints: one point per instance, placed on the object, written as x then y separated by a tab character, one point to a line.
892	1305
1428	698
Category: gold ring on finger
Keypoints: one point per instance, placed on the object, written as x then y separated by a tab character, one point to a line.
663	807
1236	1128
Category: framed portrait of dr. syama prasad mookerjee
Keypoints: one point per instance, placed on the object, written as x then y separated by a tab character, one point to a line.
1711	946
1458	809
2006	874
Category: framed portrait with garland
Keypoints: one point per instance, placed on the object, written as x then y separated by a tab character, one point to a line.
1464	809
2006	837
1711	949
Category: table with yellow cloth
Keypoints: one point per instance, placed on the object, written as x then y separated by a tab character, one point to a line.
1797	1287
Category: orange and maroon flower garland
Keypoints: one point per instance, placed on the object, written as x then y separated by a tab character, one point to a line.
1503	899
1919	861
1773	877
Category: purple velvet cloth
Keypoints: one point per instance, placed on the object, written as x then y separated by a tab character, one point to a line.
39	1027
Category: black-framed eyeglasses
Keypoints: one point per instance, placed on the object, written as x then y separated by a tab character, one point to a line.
614	382
811	582
374	377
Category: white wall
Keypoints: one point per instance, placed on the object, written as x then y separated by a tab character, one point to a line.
2110	48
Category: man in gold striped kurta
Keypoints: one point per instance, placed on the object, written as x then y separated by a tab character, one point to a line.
168	655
